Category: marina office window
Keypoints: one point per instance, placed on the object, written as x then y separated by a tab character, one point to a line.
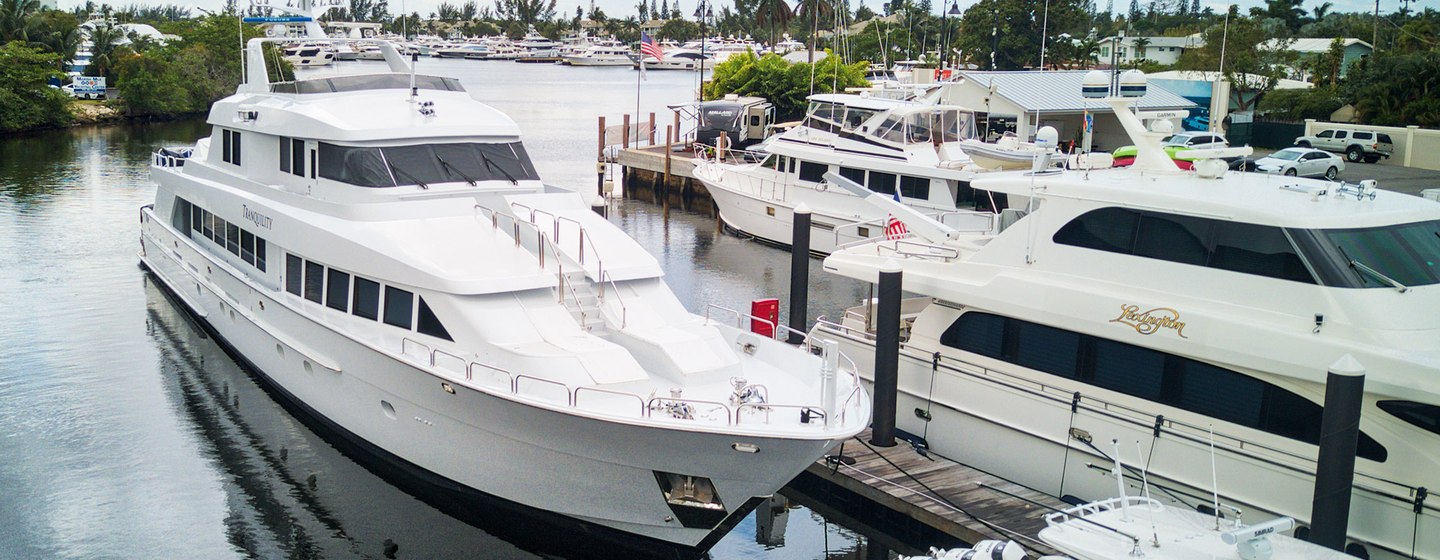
334	288
1147	374
1235	246
230	237
230	146
425	164
292	156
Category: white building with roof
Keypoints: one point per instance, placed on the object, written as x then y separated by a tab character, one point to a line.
1033	99
1162	50
1310	48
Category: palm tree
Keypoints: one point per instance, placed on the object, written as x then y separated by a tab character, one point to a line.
814	9
105	49
64	42
771	13
1322	10
1140	43
15	19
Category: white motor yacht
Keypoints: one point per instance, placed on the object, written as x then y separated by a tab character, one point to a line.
464	50
901	147
1182	310
380	250
309	54
605	54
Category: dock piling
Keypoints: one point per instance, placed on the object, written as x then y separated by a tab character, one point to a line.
652	129
1335	469
799	273
887	356
625	133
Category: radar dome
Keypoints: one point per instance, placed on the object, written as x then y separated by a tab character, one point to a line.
1047	137
1095	85
1132	84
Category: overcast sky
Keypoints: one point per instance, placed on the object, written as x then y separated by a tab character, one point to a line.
624	8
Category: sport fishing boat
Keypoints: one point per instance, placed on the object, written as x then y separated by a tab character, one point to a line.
906	148
1186	310
380	249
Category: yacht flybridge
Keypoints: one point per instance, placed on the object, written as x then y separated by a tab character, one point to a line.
905	148
1195	312
381	250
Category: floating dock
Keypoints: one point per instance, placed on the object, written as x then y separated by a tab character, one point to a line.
922	494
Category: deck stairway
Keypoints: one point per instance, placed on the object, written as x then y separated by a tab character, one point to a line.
583	303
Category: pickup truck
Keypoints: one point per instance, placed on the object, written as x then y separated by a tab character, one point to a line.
1355	144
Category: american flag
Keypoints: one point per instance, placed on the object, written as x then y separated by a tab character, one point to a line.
648	47
894	228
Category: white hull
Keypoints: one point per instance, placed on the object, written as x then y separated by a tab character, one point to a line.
599	61
986	419
526	450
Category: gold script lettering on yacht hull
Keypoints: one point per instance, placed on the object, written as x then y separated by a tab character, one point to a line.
1148	322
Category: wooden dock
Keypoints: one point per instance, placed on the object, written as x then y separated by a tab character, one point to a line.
933	492
661	176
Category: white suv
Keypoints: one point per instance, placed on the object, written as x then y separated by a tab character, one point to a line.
1355	144
1197	140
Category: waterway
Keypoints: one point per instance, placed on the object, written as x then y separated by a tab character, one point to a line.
129	434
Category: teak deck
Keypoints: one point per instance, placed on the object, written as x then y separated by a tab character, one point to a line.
960	500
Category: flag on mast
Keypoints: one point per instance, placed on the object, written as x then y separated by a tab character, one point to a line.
648	47
894	228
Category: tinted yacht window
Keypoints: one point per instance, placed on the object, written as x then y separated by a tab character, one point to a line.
1406	253
337	289
1173	238
1255	249
399	305
367	299
425	164
813	172
1420	415
362	167
294	276
427	323
1106	229
314	281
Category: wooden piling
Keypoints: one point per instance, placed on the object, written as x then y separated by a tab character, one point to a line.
677	127
652	129
625	133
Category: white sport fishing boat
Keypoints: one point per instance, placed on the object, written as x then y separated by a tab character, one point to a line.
905	148
1154	304
380	249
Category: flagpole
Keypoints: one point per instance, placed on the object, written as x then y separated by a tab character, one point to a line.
639	76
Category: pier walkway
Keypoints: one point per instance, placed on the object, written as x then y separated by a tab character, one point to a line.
943	495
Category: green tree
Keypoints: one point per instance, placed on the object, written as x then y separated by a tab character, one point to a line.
784	84
1299	104
770	14
1254	63
26	98
1396	89
679	30
106	49
1017	26
15	19
813	11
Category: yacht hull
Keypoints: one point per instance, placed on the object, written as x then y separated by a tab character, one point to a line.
550	458
767	214
593	61
986	419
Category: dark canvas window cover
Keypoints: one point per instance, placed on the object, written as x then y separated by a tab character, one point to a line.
426	164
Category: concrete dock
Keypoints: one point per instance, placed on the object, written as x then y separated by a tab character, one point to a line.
925	494
647	174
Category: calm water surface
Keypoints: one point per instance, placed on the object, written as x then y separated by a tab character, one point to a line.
128	434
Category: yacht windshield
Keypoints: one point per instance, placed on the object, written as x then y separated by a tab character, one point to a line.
425	164
1407	253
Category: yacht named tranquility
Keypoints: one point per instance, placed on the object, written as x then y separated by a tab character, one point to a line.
381	251
1191	313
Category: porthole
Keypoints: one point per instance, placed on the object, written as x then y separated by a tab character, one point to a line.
280	350
388	408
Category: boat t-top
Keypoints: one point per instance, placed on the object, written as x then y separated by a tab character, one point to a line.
380	249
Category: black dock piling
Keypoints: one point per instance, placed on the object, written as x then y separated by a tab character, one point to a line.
799	273
887	356
1335	471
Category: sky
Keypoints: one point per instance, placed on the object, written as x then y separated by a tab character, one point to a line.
624	8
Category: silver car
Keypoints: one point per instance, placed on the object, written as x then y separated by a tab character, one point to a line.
1301	162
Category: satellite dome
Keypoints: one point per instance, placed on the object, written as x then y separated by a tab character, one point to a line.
1096	85
1132	84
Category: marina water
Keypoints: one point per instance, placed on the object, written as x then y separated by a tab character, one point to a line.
129	434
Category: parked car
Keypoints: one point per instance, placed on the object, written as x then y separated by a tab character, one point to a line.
1302	162
1355	144
1196	140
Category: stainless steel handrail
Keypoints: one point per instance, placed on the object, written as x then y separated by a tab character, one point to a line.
569	395
740	318
656	403
644	412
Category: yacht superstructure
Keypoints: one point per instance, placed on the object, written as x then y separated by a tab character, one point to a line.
906	148
603	53
380	249
1194	312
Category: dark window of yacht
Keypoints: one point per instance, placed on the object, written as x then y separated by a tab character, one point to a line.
314	281
399	304
1406	253
337	289
813	172
1173	238
180	215
427	323
260	253
206	229
366	302
1420	415
1256	249
284	154
882	182
1047	349
312	163
915	187
230	146
857	175
294	277
232	238
225	145
1106	229
196	214
297	157
791	163
247	247
1151	375
362	167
